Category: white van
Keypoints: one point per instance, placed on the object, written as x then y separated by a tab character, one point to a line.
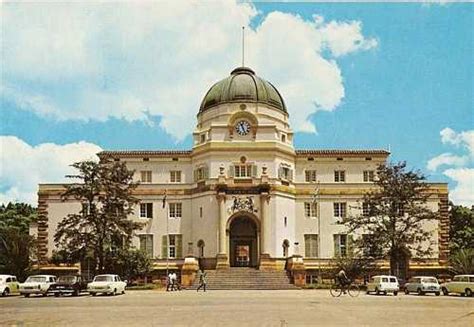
383	284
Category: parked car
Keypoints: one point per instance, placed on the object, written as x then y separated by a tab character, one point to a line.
383	284
422	285
73	285
106	284
461	284
8	285
37	284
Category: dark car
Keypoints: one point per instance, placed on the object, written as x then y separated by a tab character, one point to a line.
73	285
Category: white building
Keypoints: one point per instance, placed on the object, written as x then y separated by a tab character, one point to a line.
243	195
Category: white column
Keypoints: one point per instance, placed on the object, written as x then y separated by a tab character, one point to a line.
222	224
264	222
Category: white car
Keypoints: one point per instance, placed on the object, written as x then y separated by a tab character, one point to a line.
383	284
106	284
8	285
462	284
422	285
37	284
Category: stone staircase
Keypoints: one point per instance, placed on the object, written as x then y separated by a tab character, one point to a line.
246	279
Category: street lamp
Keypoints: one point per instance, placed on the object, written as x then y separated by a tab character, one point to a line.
317	202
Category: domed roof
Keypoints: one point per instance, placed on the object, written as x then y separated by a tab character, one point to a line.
242	86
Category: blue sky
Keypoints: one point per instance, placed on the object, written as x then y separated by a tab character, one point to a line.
403	76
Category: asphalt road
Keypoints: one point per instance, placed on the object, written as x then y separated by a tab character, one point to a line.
238	308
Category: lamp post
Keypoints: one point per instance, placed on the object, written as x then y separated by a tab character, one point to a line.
316	200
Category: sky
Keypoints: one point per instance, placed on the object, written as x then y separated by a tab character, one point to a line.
85	76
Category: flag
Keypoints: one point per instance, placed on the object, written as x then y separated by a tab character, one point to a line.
164	200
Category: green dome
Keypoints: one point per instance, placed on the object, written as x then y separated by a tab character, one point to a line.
242	86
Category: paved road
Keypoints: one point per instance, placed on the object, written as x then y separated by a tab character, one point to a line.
242	308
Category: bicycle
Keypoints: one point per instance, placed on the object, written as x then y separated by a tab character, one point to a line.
352	289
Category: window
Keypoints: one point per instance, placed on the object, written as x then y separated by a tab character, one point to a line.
310	176
340	245
285	172
176	210
172	246
365	209
285	221
200	212
368	175
200	174
283	138
146	210
311	245
339	176
175	176
286	245
310	209
201	245
340	209
243	171
146	176
146	244
203	138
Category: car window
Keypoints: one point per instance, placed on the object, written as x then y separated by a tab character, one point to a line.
393	280
465	279
457	279
384	280
103	278
471	279
118	279
36	279
430	280
13	279
9	280
67	279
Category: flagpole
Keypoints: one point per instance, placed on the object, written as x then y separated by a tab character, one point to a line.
167	237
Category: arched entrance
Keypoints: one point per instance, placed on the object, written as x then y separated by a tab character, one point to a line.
243	238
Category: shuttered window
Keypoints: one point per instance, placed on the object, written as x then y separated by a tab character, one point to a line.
368	176
310	209
245	171
146	244
310	176
311	245
175	176
146	210
201	173
340	209
172	246
175	210
342	245
339	176
145	176
285	173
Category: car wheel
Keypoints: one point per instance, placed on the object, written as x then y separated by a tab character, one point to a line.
468	292
420	292
56	294
115	292
27	295
75	293
44	294
6	292
445	291
377	291
437	293
93	294
395	293
123	291
407	291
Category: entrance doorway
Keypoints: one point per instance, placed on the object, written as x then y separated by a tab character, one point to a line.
243	243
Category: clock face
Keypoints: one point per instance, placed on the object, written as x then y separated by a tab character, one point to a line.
242	127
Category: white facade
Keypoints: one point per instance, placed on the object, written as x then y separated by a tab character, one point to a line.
208	198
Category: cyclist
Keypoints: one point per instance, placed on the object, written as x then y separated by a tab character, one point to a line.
343	280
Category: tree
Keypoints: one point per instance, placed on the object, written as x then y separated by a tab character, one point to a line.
353	265
102	226
131	263
393	224
461	228
16	245
462	261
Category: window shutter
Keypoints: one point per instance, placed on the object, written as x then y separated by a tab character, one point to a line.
280	172
149	210
206	172
254	170
307	246
231	171
290	174
164	246
350	244
195	175
142	242
149	245
179	246
336	246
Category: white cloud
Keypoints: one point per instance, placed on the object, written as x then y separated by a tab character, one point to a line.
463	193
463	173
101	60
23	167
446	159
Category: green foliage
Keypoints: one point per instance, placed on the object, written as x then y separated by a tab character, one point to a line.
102	226
393	227
16	245
461	229
462	261
131	263
354	266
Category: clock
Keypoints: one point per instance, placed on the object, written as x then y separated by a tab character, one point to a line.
242	127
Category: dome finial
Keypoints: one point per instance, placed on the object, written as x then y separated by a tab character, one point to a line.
243	46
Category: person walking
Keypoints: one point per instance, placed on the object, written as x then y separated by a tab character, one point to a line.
202	280
169	282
